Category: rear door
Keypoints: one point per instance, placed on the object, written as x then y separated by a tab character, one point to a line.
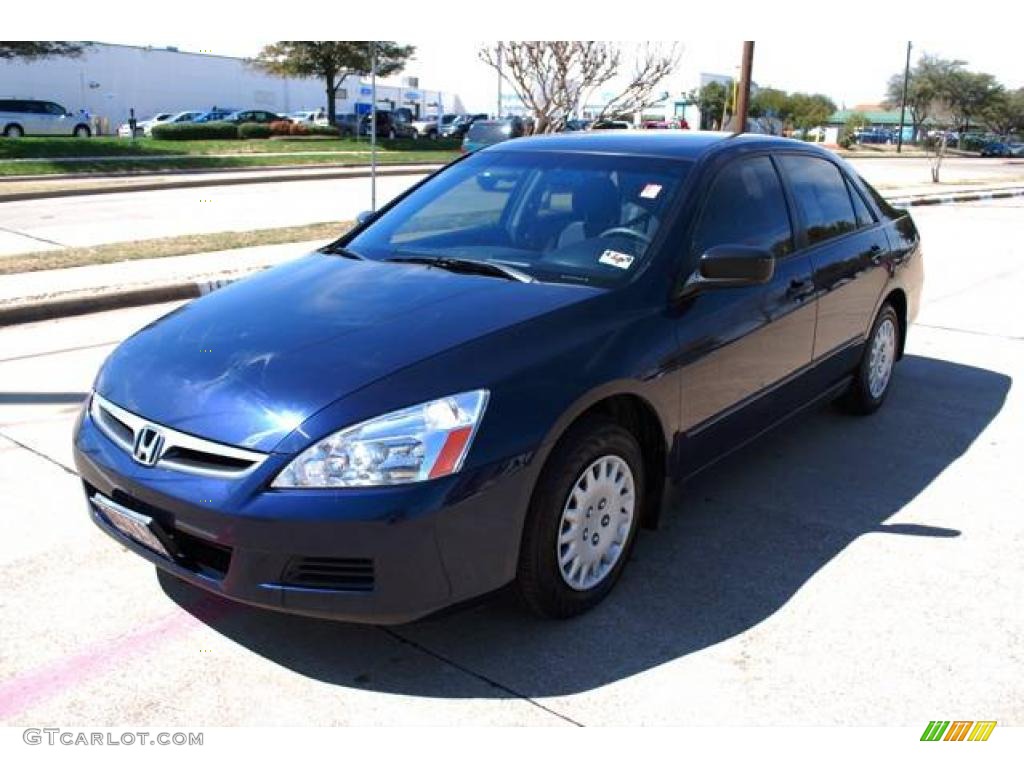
847	247
738	344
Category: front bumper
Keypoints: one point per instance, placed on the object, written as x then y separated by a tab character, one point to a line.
374	555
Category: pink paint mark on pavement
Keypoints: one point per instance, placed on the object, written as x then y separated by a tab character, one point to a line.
31	688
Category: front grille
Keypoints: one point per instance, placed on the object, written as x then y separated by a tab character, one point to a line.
181	451
344	574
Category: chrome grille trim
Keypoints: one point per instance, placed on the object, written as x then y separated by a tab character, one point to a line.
106	416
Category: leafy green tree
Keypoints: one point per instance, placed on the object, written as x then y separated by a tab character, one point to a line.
40	49
711	100
770	102
807	110
1005	114
847	135
969	95
332	61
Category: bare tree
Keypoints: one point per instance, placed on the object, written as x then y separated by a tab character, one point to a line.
555	78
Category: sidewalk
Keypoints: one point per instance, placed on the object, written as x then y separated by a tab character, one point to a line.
15	188
42	295
46	294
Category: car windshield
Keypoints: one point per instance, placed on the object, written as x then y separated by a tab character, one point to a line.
557	217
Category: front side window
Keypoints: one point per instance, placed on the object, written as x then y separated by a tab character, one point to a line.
557	217
55	109
745	206
821	194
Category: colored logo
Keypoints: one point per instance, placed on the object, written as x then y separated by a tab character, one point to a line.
958	730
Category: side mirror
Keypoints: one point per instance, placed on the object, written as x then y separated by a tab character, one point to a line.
730	266
365	216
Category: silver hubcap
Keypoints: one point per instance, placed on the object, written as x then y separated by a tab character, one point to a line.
596	522
883	354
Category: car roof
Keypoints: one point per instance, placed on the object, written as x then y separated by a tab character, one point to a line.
679	144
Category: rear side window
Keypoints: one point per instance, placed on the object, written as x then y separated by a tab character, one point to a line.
860	208
745	207
821	194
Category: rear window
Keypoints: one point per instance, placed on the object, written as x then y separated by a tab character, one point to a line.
489	130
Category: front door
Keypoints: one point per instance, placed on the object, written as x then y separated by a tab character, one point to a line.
738	344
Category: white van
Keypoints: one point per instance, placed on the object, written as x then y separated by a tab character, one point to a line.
30	117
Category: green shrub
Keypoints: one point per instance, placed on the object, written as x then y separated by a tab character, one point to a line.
185	131
254	131
323	130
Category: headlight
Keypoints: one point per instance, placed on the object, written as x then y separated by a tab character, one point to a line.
418	443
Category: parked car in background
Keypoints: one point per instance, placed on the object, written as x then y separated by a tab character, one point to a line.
308	116
213	115
997	149
666	124
478	387
32	117
612	125
347	124
428	127
576	124
873	136
143	127
484	133
458	127
254	116
395	124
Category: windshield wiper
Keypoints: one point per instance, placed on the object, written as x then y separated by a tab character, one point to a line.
468	266
340	250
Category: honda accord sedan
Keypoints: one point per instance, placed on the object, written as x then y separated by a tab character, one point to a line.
491	380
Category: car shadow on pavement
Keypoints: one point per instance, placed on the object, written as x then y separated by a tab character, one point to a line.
734	545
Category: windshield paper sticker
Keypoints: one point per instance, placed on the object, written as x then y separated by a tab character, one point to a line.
650	191
616	259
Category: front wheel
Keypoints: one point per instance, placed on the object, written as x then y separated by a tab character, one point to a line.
874	374
582	520
82	132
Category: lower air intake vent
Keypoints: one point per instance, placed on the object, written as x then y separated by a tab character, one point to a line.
344	574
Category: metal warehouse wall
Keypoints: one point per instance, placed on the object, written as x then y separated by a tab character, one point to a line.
107	80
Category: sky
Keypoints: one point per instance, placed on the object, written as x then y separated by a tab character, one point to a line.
847	72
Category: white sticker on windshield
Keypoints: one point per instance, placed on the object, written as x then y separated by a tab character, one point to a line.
616	259
650	191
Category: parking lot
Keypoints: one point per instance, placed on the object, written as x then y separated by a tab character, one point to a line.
839	571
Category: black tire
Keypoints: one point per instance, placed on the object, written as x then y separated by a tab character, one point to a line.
539	579
859	399
82	132
14	131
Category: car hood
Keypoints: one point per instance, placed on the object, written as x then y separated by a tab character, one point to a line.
250	362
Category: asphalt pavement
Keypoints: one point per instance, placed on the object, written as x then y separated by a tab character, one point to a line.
839	571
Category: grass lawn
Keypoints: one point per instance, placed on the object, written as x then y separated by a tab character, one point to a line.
169	246
51	155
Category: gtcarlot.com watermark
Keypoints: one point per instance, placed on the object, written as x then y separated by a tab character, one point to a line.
74	737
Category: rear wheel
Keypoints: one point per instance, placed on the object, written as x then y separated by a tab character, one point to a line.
582	520
874	374
14	132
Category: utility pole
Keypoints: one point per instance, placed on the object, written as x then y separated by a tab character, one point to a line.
373	126
903	102
743	97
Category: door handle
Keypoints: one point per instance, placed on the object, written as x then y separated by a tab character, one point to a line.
876	254
799	289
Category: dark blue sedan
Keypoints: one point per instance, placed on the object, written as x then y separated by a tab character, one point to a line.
492	379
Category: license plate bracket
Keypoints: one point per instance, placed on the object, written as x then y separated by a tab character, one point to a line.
138	527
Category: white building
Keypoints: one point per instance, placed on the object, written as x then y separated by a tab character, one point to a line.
108	80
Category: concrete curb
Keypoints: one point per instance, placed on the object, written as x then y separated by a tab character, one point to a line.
343	172
50	309
957	197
